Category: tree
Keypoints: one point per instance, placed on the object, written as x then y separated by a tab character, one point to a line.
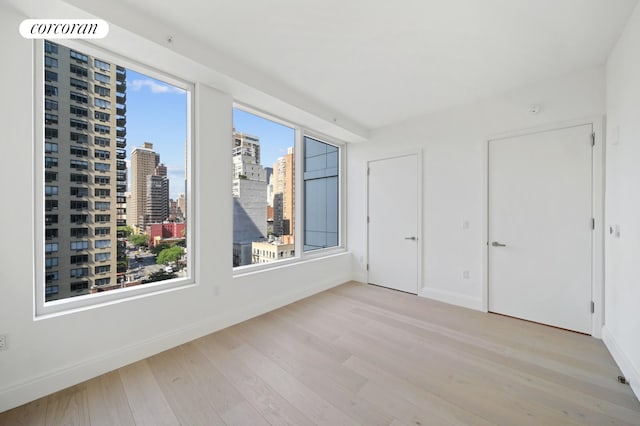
139	240
125	230
169	255
157	249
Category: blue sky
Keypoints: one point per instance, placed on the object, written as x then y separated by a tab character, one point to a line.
274	138
157	113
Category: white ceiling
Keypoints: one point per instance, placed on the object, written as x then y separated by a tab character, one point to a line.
380	62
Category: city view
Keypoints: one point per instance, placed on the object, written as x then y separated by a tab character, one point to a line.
114	179
263	190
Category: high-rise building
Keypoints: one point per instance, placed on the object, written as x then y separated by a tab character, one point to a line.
157	196
144	161
85	171
249	197
283	197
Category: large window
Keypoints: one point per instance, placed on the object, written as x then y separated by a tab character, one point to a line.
121	216
263	190
266	194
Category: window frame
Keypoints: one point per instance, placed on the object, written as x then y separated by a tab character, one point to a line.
300	256
44	309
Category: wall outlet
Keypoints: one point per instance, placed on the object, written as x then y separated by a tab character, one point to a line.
4	345
465	275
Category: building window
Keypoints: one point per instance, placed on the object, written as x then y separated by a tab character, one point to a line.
50	105
80	71
102	269
49	290
79	218
79	164
102	218
79	137
50	277
102	205
50	190
50	176
78	259
79	245
102	192
102	231
102	257
78	178
79	232
103	78
102	91
101	64
50	133
78	151
50	76
102	281
51	247
78	124
321	194
50	118
50	205
79	272
78	84
50	233
102	116
79	111
78	97
50	147
101	103
103	243
81	57
102	129
103	142
51	262
50	62
50	90
50	162
80	285
79	191
102	180
102	167
50	47
78	205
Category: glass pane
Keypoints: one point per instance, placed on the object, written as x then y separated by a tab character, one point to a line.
129	199
263	190
321	195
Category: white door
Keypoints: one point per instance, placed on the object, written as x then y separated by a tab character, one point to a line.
540	227
393	223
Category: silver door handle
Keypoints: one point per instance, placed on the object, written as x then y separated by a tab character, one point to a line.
497	244
410	238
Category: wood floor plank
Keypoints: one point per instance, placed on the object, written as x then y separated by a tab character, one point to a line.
299	395
358	354
148	404
31	414
271	405
107	401
182	390
68	407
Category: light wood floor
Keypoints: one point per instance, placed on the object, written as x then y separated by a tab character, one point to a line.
358	354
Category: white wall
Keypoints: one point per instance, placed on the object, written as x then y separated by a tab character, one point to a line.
622	322
453	145
46	355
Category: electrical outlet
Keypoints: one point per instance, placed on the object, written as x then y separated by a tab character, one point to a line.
3	342
465	275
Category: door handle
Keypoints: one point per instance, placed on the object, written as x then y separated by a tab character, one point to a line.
497	244
410	238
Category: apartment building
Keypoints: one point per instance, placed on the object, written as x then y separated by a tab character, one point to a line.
85	171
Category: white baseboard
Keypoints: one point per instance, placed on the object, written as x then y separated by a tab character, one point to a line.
56	380
452	298
629	370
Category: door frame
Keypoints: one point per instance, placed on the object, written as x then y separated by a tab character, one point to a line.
418	154
597	208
